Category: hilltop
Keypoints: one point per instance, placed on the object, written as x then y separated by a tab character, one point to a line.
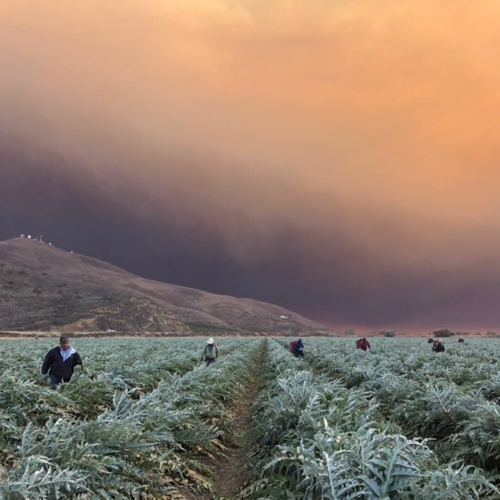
46	288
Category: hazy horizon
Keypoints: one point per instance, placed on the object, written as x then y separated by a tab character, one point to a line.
336	158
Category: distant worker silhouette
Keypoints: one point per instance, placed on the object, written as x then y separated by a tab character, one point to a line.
298	349
437	346
210	352
363	344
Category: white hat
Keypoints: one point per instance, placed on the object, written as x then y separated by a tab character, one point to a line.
210	341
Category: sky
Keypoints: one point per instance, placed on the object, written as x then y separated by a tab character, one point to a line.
339	158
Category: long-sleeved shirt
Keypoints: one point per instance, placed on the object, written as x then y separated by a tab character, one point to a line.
62	368
211	351
363	344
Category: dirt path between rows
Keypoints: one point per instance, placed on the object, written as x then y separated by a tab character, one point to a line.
231	474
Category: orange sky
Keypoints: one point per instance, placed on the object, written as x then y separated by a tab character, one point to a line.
370	122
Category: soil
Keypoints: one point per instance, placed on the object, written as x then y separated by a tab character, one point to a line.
231	474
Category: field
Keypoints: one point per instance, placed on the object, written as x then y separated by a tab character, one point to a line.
147	420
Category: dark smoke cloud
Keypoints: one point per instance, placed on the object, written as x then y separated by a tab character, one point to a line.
331	275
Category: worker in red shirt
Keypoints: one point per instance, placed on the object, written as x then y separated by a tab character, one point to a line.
363	344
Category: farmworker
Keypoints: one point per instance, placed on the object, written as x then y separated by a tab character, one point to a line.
298	349
60	363
438	346
461	341
363	344
210	352
430	340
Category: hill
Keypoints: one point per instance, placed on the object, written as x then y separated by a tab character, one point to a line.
46	288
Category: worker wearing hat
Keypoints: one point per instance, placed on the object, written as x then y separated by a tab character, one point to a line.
60	363
210	352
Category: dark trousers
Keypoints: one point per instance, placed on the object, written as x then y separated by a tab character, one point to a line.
209	361
55	380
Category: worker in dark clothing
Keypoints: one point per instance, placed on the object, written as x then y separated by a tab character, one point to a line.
437	346
298	349
363	344
60	363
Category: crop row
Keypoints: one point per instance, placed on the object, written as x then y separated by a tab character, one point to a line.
319	435
146	419
136	424
452	398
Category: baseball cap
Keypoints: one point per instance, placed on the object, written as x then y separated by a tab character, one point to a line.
63	340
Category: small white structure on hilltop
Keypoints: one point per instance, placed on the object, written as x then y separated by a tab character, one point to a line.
21	236
29	236
283	317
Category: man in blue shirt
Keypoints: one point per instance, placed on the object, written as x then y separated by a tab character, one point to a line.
60	363
298	349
